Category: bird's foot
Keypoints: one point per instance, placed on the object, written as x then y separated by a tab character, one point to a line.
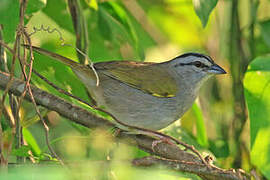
162	140
116	131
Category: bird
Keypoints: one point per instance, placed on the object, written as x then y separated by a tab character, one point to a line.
144	94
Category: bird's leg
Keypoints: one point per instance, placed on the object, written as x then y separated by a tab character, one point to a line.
116	131
162	138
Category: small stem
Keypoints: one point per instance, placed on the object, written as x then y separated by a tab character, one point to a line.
238	64
253	14
79	25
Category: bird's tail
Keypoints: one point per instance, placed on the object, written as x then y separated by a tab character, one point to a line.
74	65
84	73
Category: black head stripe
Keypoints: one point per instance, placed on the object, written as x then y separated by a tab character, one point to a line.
191	63
208	58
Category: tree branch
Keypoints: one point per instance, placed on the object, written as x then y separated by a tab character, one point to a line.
170	155
199	169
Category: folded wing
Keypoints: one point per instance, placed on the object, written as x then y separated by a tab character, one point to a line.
147	77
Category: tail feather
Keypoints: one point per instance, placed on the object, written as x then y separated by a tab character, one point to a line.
83	72
74	65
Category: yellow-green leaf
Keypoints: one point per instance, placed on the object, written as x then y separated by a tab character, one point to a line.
203	9
257	94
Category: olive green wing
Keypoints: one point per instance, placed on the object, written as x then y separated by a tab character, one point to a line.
147	77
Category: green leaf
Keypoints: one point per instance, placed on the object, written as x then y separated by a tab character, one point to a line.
201	130
103	25
22	151
35	5
31	142
116	12
265	29
92	4
62	18
9	13
29	116
203	9
257	94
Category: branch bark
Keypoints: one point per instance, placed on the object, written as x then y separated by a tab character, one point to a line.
200	170
169	155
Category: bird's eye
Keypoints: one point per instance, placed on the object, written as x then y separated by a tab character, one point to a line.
198	64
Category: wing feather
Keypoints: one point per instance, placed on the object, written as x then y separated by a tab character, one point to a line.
147	77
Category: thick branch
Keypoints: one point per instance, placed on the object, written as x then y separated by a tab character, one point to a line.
64	108
200	170
86	118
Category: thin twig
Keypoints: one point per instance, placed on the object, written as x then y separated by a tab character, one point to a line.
2	61
15	104
2	105
238	65
11	74
10	117
27	85
21	31
47	29
79	25
46	128
6	46
16	129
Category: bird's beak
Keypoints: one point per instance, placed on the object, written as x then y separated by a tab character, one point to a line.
216	69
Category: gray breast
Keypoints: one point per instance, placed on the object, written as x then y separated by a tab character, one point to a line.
137	108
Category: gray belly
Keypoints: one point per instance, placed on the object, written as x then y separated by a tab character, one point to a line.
134	107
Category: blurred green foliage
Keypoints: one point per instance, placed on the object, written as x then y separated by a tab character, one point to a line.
257	92
232	32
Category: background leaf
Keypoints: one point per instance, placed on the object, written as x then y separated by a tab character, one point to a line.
257	94
31	142
9	15
21	152
265	29
200	126
35	5
58	12
9	18
203	9
92	4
